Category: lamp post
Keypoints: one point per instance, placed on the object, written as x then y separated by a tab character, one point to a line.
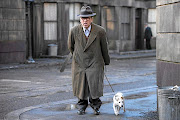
30	59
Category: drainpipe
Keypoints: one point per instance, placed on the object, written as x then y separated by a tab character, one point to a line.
30	59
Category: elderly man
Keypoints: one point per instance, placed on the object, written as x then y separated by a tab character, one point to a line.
88	44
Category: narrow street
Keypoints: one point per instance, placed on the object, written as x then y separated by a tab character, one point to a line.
20	88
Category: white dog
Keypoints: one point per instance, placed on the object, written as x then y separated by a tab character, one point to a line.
118	102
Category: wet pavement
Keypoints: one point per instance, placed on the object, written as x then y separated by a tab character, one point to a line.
136	81
137	103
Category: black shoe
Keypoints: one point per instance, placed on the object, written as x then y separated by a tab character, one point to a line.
96	111
81	112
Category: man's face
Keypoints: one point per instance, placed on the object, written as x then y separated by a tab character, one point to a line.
86	21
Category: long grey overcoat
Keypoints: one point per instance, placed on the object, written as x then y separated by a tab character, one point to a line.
89	58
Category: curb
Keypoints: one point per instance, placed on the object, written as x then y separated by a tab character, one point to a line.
133	54
138	52
31	65
133	57
43	60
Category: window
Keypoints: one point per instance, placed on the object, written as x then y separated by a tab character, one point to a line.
50	21
125	34
74	10
152	20
110	22
152	15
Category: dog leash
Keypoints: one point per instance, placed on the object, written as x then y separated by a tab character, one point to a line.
108	80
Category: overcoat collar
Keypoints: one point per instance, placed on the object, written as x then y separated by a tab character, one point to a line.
92	36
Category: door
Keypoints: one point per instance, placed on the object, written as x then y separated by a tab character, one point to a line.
139	43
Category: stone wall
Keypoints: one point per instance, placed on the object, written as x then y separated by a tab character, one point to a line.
13	43
168	42
12	31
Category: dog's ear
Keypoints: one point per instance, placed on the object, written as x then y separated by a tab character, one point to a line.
122	97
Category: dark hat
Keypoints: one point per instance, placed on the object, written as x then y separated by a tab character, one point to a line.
86	11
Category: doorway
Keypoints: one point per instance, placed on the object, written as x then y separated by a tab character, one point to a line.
139	43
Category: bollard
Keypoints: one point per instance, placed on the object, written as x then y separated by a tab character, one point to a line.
168	103
52	50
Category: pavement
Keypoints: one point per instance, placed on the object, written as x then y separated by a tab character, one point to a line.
138	102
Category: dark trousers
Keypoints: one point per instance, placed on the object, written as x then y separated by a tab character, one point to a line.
148	44
83	103
94	103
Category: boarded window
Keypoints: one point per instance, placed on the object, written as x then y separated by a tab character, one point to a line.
151	15
152	20
50	21
74	10
125	34
110	22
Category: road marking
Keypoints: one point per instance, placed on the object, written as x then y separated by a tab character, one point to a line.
10	80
